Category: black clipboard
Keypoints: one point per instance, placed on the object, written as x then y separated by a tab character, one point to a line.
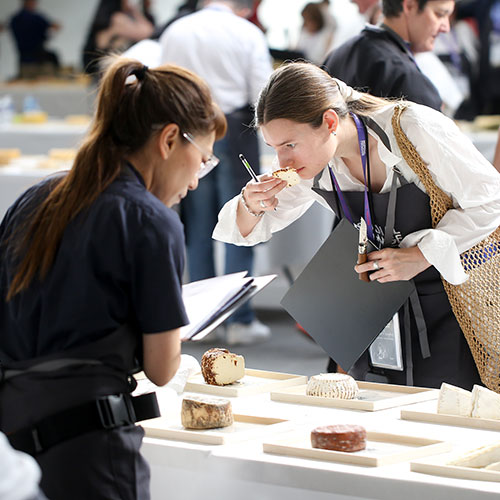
342	314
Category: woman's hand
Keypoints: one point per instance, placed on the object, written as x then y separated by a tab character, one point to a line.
394	264
261	196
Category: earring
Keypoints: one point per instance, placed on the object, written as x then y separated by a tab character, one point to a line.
334	132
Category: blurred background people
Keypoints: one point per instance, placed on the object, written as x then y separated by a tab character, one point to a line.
117	24
317	32
380	60
31	30
370	9
231	54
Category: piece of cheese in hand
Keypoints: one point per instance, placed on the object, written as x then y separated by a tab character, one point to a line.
221	367
454	401
480	457
485	403
287	174
199	412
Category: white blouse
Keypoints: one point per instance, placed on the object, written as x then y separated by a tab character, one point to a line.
456	166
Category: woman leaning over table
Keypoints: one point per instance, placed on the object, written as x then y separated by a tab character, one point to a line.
90	282
310	120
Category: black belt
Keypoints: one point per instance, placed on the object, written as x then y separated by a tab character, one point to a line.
108	412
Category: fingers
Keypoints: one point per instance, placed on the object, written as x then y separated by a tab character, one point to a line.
262	195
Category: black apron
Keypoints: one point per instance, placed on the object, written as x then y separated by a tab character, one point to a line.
103	463
450	358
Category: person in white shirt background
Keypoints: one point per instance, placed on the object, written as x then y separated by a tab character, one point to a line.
317	32
231	55
304	114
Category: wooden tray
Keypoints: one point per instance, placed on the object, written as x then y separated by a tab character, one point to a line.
244	427
254	382
438	467
439	418
381	448
371	397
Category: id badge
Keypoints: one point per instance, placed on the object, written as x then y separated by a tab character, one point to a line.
385	350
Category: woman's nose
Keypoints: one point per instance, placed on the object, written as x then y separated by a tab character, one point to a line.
284	160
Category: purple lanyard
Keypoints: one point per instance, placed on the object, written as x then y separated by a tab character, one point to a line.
362	140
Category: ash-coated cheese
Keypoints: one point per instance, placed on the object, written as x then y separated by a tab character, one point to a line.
287	174
454	401
221	367
332	385
485	403
480	457
199	412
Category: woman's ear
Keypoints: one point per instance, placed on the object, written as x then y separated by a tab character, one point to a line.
331	119
167	139
410	6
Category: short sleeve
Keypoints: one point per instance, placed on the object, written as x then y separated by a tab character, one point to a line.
157	267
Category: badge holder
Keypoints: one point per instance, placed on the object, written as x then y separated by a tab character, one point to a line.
385	351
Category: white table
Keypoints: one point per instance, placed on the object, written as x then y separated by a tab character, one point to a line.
19	176
242	471
57	98
38	139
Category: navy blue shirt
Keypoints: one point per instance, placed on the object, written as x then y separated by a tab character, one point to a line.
119	261
30	31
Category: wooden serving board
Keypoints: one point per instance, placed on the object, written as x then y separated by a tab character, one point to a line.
244	427
437	467
381	448
440	418
371	397
254	382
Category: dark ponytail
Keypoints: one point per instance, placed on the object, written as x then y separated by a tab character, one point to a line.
133	102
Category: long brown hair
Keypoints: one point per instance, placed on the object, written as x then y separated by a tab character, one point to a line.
131	102
302	92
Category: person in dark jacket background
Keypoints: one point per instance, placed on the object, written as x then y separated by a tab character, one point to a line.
380	59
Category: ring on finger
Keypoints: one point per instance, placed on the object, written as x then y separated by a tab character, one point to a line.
376	266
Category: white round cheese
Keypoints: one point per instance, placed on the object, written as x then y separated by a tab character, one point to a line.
332	385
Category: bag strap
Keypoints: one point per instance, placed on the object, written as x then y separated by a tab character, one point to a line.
440	202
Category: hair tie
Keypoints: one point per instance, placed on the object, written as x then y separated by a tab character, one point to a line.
347	92
141	72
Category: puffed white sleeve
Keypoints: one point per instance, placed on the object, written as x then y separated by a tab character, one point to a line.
463	173
293	203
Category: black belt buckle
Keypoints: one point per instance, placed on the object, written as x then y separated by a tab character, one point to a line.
115	410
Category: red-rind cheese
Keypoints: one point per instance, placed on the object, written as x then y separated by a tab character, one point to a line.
340	437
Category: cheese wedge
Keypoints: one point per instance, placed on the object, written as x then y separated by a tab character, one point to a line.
480	457
485	403
454	401
493	466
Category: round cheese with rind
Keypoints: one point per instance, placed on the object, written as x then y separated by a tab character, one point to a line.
332	385
198	412
221	367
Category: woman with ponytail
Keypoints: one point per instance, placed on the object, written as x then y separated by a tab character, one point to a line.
344	144
90	282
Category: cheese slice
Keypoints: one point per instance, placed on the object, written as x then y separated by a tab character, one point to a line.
480	457
485	403
454	401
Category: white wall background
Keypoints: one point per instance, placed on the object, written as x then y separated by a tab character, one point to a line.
281	17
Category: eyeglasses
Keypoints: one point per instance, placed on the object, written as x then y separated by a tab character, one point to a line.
208	165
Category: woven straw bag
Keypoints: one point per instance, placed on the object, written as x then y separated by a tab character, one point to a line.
475	303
